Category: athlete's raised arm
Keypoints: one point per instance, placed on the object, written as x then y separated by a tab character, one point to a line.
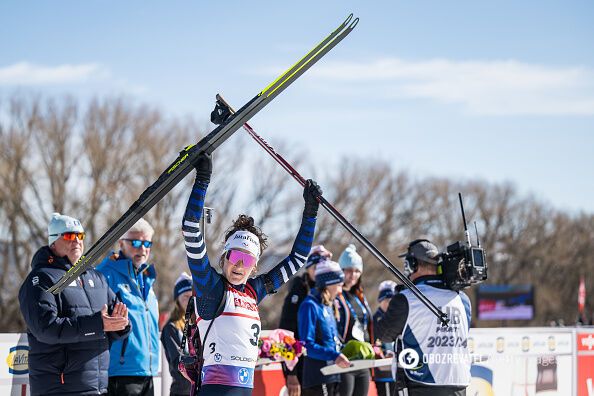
283	271
207	283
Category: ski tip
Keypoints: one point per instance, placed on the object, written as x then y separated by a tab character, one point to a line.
218	97
354	23
348	19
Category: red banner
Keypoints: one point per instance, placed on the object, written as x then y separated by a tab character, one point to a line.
585	364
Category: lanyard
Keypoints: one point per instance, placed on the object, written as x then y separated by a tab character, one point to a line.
353	312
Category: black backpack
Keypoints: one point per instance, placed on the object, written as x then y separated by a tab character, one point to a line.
190	365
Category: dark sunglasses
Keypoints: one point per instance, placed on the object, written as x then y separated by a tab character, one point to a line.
71	236
136	243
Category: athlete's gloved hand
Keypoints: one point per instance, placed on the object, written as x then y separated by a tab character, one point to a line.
203	166
311	192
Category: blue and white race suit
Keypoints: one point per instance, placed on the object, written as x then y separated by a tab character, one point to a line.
231	350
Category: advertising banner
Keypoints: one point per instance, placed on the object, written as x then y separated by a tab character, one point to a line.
522	362
507	362
14	364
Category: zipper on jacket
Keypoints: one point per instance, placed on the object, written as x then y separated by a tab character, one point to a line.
82	285
147	317
148	325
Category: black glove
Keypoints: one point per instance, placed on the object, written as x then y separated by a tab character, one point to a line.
203	165
311	192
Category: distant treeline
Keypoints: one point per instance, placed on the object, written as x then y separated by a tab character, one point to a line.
91	160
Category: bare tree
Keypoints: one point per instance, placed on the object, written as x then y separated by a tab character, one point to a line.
93	161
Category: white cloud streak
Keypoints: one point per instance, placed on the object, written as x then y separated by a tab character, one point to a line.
24	73
506	87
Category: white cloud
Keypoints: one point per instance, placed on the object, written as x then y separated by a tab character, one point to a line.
24	73
501	87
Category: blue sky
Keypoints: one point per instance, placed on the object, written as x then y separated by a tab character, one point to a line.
501	91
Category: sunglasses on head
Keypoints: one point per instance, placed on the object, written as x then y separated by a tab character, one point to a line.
71	236
235	256
136	243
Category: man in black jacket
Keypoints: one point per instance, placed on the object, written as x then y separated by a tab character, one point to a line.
68	333
300	287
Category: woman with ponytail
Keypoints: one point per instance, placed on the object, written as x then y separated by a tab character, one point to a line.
226	306
317	328
298	290
356	320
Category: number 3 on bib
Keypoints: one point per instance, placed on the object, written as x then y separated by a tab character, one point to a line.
256	328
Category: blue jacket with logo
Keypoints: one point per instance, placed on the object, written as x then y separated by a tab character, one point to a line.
139	354
317	329
68	349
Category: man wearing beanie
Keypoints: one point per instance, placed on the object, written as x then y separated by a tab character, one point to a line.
299	289
69	333
134	361
408	317
317	329
356	321
172	333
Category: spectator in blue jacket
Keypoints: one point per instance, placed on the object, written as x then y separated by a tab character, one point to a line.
299	290
68	333
317	328
134	361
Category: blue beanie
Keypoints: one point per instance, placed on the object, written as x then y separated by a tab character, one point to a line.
387	289
60	224
182	285
351	259
328	273
317	254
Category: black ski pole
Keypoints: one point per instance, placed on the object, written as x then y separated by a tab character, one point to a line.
341	219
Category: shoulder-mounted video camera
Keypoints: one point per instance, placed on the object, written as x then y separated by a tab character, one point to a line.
463	265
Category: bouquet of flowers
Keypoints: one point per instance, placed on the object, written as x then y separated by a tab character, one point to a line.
281	345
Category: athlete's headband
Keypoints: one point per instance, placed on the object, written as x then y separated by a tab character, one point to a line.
243	240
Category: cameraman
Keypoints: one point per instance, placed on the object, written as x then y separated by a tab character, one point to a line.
443	366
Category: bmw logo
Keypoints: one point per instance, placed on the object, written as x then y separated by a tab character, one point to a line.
243	375
217	357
